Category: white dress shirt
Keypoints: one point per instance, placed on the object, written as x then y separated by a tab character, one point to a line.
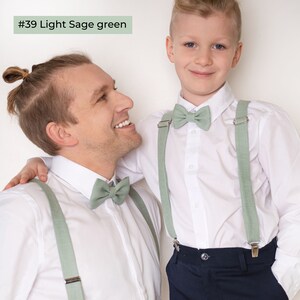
114	248
204	183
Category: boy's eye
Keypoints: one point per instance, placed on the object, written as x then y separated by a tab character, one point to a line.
218	47
190	45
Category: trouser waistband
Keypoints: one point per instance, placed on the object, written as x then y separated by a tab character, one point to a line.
226	257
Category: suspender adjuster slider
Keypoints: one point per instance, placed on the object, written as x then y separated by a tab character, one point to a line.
254	249
165	123
72	279
239	121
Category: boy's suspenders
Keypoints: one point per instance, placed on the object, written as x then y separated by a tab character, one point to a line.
64	243
242	147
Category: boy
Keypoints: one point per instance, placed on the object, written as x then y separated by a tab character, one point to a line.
212	257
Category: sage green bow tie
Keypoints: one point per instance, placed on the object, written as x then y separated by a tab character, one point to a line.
102	191
181	116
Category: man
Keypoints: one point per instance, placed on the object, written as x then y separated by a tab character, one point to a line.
70	108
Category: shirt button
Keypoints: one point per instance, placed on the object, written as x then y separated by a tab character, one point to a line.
204	256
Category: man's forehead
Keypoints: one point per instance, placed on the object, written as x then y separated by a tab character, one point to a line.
90	76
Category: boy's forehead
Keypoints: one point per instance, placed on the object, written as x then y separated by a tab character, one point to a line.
217	22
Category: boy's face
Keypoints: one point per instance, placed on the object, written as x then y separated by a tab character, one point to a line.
203	51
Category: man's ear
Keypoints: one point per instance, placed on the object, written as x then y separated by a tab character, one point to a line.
170	48
237	55
60	135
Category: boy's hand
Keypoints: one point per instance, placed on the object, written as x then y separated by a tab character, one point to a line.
34	167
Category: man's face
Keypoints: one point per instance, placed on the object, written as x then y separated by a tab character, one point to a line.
103	129
203	51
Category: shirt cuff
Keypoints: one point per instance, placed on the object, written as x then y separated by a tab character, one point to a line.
286	270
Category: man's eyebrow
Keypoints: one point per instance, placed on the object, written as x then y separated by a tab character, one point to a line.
102	89
98	91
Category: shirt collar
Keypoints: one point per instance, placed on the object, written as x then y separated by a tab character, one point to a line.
217	103
79	177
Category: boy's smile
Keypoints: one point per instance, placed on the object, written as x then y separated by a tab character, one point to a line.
203	50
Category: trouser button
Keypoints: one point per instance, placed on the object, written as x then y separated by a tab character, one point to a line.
204	256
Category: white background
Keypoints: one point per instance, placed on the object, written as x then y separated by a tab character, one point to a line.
268	70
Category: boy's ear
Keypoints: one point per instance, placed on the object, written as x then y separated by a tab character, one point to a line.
59	135
237	54
170	48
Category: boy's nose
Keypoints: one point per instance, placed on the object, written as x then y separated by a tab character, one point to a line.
203	57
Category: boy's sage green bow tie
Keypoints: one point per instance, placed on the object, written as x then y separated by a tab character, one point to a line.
102	191
181	116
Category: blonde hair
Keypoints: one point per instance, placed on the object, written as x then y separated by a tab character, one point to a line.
206	8
38	100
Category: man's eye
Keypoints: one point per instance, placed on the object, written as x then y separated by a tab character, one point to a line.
218	47
190	45
102	98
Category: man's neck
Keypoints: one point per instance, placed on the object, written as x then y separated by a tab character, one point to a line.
100	166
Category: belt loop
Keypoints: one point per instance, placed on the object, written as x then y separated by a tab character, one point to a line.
243	263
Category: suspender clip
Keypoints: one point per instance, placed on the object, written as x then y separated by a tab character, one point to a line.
254	249
165	123
176	245
72	279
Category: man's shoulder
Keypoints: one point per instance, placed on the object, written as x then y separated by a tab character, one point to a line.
25	192
28	196
22	204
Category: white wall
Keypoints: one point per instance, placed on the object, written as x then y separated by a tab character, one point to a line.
269	68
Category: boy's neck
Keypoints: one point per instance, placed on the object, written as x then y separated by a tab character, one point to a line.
198	99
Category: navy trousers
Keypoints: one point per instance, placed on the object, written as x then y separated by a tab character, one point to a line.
223	274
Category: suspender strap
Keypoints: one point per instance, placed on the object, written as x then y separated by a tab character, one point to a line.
138	201
163	130
64	245
242	148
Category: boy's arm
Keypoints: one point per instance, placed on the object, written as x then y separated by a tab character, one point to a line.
129	166
35	166
280	158
19	251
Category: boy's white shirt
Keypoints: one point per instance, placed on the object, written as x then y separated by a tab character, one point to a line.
204	184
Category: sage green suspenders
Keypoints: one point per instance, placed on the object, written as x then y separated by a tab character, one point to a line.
64	243
242	147
138	201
